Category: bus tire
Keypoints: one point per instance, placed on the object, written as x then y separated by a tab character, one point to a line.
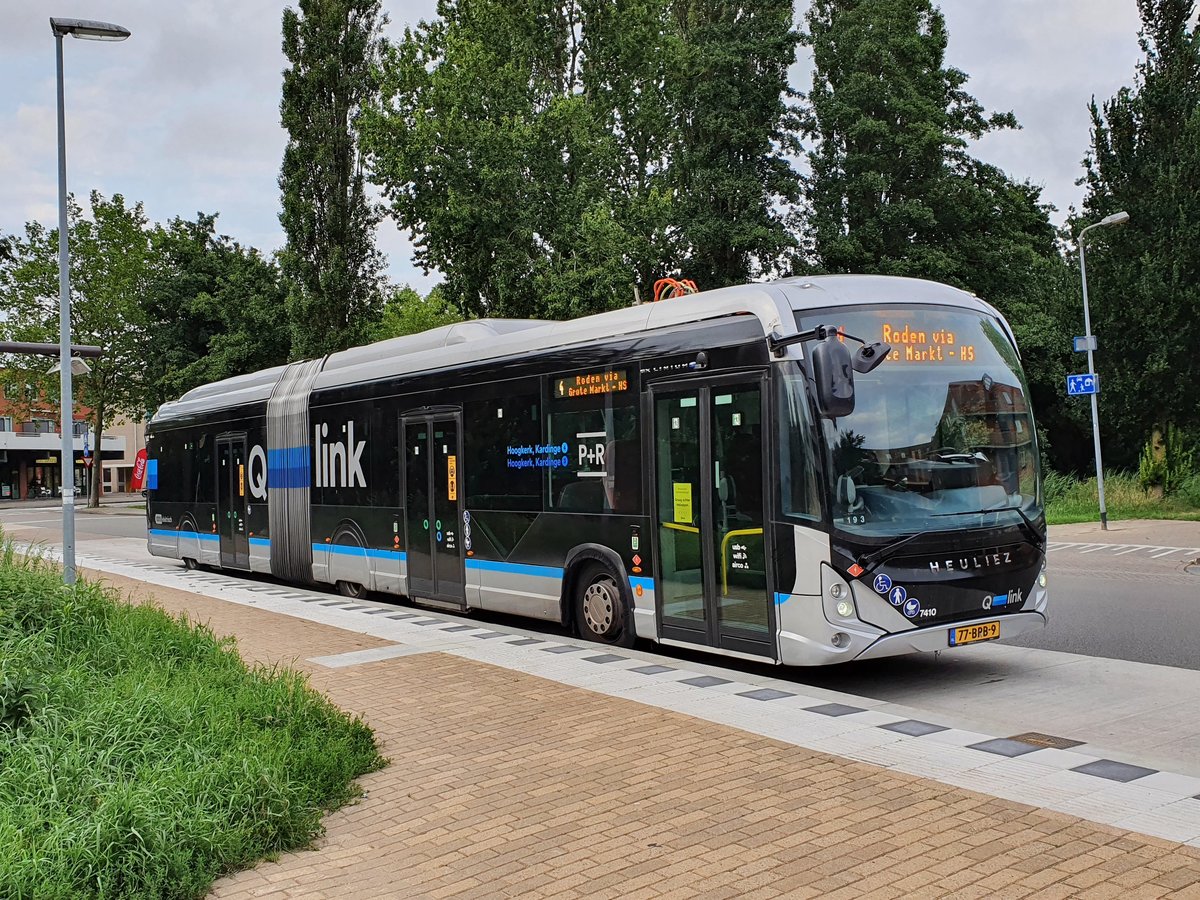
352	589
190	564
601	611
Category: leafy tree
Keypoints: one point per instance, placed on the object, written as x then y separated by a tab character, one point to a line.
552	157
893	190
112	261
729	87
1144	279
407	312
215	309
330	260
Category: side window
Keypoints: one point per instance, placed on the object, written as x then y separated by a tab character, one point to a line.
797	454
595	465
202	471
502	439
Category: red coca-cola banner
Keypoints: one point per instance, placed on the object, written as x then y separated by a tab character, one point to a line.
139	470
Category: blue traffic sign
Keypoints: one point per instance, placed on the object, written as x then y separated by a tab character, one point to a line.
1079	385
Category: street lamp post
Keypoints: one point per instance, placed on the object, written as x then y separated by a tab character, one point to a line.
1118	218
93	31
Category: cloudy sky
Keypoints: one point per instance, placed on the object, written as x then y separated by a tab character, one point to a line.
184	116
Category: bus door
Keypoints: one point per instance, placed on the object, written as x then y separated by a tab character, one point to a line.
710	464
432	512
231	501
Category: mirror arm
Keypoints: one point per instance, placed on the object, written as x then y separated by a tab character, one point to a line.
777	344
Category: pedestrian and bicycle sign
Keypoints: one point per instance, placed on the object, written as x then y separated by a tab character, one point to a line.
1080	385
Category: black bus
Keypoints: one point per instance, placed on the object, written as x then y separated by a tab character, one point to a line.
704	471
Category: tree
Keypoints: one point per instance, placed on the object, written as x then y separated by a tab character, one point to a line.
215	309
330	260
407	312
733	183
893	190
111	263
552	157
1144	279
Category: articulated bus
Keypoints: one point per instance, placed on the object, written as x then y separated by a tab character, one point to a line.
705	471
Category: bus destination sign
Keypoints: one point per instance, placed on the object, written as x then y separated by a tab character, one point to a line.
591	384
916	345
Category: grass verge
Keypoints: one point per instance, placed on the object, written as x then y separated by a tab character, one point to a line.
140	757
1070	500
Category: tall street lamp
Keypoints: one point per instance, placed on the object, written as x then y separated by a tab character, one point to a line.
1117	218
92	31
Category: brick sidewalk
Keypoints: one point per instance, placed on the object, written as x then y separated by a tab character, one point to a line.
502	784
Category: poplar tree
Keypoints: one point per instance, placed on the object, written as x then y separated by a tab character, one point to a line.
1144	278
330	260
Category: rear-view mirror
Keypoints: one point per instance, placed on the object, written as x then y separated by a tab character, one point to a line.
833	372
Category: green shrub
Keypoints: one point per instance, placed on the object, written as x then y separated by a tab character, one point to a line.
140	757
1167	466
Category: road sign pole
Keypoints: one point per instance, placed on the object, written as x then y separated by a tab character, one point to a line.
1087	330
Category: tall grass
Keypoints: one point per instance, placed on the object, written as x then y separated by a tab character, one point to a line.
140	757
1070	500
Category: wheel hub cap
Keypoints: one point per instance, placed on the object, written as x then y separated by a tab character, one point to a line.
599	604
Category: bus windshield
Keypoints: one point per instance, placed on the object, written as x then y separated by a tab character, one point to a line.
941	436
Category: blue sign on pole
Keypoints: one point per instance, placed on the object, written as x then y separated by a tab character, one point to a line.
1080	385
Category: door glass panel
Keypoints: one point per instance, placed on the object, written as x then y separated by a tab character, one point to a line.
416	507
448	561
737	491
677	426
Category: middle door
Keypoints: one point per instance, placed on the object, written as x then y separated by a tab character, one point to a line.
431	508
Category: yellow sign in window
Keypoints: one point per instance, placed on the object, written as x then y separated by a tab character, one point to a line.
241	480
452	477
683	502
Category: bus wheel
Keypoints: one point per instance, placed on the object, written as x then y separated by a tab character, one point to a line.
190	564
601	613
351	589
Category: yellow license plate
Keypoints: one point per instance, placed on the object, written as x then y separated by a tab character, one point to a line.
971	634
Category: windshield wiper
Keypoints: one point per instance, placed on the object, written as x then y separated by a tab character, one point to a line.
1027	526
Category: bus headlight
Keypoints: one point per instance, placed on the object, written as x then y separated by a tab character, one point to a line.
1042	578
836	591
845	608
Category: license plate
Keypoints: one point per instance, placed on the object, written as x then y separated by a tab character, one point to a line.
971	634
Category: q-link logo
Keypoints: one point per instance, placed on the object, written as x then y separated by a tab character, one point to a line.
256	473
339	464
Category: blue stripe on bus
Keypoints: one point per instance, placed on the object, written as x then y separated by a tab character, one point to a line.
260	542
351	550
488	565
781	599
202	535
288	468
646	584
152	474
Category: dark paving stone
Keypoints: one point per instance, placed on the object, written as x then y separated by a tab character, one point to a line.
604	658
350	606
525	642
490	634
914	727
705	681
399	616
430	622
834	709
1004	747
460	628
651	669
1114	771
766	694
562	648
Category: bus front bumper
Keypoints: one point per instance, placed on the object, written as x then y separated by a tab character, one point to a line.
938	637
